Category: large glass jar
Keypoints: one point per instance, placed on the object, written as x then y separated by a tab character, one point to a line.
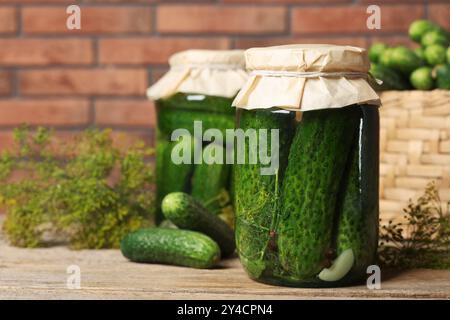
195	95
314	221
322	201
208	183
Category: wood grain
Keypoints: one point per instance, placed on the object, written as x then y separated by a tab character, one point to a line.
105	274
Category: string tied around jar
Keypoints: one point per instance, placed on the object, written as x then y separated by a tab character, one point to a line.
314	74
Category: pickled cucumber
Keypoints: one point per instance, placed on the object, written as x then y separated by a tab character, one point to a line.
316	165
358	213
256	195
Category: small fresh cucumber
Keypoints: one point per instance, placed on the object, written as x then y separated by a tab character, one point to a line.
171	246
392	80
187	213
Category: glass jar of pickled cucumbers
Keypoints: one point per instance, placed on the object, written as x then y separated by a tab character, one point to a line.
193	97
313	220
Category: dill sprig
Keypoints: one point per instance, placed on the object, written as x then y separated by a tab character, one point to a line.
85	192
423	239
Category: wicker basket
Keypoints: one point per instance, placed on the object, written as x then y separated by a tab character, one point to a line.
414	146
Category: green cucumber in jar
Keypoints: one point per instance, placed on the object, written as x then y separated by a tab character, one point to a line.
256	195
170	177
316	165
211	178
170	120
357	227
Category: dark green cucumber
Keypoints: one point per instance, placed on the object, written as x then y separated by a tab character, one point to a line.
392	79
316	165
187	213
210	179
256	195
172	119
207	104
171	246
170	177
358	216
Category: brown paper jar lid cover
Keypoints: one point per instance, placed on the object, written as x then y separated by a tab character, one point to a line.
306	77
208	72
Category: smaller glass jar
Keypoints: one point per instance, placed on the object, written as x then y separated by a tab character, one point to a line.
197	91
314	221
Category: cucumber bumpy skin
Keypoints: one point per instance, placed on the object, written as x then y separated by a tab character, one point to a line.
187	213
256	196
316	165
358	214
171	246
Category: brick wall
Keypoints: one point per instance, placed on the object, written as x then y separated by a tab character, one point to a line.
97	76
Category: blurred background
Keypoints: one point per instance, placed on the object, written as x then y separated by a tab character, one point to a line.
73	79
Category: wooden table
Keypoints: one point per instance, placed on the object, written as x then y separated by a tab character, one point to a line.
106	274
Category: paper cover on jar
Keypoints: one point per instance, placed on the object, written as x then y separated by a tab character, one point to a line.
209	72
306	77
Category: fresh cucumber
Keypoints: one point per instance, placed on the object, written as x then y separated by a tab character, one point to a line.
171	246
316	165
392	80
187	213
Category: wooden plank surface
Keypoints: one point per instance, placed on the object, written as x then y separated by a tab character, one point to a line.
105	274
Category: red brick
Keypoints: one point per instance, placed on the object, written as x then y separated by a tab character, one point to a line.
440	13
128	1
395	40
6	141
215	19
125	112
122	139
38	1
249	43
156	74
378	2
94	20
5	83
14	112
287	1
125	139
27	52
349	19
84	82
152	50
8	20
